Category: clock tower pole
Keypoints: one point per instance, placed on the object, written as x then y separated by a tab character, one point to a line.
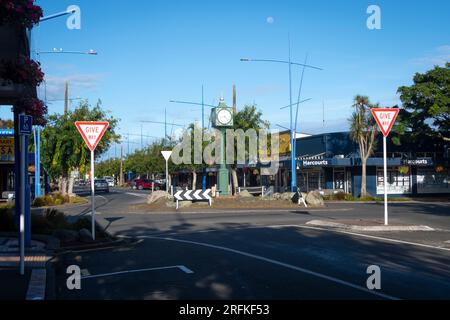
222	118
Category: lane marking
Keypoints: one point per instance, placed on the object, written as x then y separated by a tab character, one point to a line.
180	267
278	263
364	236
139	195
36	287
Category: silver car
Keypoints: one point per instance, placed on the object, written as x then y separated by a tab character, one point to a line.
101	185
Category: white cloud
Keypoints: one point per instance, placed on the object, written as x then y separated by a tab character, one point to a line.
439	56
79	84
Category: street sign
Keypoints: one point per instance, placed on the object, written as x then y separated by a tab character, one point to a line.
166	154
385	118
193	195
92	132
25	125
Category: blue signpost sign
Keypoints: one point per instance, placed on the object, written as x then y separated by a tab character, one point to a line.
25	130
25	125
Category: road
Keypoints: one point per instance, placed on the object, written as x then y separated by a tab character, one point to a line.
260	254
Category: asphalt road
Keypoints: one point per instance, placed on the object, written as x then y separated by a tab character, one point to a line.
260	254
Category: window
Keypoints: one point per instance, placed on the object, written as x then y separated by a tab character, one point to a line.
430	181
312	180
397	182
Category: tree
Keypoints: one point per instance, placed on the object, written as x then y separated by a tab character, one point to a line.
6	124
248	118
363	130
427	105
63	150
110	167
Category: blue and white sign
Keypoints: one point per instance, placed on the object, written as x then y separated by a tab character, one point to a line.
25	125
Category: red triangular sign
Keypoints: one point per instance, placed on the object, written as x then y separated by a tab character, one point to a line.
92	132
385	118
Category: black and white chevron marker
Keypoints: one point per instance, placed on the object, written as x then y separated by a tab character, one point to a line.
193	195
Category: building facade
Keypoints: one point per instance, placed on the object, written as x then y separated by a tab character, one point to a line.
331	162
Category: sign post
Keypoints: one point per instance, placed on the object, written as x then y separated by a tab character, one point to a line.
166	155
385	119
92	132
25	128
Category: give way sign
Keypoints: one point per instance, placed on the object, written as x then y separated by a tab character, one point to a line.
385	117
92	132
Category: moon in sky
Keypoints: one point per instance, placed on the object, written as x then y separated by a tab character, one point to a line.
270	20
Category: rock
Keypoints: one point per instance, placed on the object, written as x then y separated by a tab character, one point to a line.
66	235
245	194
315	199
85	235
156	195
276	196
287	196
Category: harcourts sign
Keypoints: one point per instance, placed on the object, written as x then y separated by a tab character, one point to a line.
315	163
418	162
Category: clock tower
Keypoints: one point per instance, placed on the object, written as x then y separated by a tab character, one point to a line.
222	117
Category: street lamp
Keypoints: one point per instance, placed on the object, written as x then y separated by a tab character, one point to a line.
290	63
203	125
37	186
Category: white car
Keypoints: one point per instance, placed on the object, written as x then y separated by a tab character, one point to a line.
110	181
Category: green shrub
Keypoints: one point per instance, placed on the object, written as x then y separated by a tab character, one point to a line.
39	202
49	200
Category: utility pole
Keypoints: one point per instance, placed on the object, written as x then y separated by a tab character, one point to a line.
121	165
234	99
66	99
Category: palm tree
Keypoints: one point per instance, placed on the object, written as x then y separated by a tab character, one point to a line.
363	130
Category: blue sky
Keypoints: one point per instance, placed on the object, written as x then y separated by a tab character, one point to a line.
154	51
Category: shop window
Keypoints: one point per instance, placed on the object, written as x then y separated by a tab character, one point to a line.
398	180
433	181
313	180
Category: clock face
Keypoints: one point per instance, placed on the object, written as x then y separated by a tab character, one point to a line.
224	116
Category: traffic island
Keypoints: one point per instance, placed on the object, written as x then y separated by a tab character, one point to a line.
366	225
161	201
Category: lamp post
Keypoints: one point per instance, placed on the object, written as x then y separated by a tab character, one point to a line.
291	129
203	125
37	133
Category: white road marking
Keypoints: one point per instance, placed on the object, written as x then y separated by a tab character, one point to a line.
278	263
180	267
140	195
36	287
362	235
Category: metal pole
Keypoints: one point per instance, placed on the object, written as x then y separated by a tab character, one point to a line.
37	160
203	126
386	221
293	166
23	154
167	176
92	196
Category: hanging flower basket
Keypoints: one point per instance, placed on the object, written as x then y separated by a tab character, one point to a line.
22	70
21	12
33	107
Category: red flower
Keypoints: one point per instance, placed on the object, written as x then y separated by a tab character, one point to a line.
33	107
23	12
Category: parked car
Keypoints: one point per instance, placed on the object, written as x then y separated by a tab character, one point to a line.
110	180
144	184
101	185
